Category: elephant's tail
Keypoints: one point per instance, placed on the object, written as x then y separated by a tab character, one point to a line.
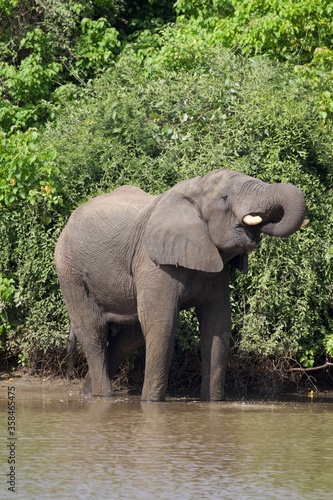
71	351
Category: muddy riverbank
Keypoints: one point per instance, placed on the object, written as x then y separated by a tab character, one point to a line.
26	382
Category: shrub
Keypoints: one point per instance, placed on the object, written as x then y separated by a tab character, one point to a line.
282	29
152	132
244	114
30	218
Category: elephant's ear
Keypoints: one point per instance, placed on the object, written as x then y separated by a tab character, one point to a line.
240	262
176	234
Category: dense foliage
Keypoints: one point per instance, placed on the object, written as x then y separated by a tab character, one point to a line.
91	101
50	49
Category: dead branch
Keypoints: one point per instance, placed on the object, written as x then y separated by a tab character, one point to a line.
313	368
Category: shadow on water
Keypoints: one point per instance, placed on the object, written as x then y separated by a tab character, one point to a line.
119	448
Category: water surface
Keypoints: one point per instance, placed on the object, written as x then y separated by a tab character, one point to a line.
68	447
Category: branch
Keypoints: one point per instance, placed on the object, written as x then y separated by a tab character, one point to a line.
72	72
321	367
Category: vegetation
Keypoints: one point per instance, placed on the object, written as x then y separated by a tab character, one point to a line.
95	94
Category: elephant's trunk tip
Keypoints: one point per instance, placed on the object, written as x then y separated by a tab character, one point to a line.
289	201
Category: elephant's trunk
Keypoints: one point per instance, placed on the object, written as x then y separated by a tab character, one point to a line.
286	210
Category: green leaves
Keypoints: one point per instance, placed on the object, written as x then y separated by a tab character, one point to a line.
172	101
6	296
281	29
27	170
249	115
96	47
49	48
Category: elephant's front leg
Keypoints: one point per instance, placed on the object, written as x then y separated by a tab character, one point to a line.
215	328
159	325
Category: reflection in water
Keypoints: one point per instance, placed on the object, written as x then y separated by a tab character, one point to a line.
122	449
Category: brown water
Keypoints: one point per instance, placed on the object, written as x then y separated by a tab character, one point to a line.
73	448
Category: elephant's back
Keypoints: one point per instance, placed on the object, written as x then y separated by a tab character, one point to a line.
106	228
110	210
123	201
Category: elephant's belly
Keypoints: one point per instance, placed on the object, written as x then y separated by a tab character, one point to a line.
121	319
114	296
122	311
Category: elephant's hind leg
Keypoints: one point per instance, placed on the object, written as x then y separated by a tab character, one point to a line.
91	331
95	348
71	350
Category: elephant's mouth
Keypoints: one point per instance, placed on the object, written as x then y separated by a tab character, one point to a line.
252	225
252	237
245	239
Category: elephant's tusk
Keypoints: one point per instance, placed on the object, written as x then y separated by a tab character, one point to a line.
304	223
252	220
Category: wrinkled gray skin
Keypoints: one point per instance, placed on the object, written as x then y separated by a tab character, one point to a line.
128	262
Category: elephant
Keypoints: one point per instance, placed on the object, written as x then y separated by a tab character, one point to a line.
128	262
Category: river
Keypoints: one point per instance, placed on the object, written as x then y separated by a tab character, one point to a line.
67	447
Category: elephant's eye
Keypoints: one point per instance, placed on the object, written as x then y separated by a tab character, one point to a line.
224	198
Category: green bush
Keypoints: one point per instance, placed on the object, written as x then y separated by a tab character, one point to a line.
282	29
47	48
172	104
246	115
31	215
6	297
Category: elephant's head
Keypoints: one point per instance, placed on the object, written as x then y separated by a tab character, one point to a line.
204	222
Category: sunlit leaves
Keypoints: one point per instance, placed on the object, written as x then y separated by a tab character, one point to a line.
249	115
27	170
6	297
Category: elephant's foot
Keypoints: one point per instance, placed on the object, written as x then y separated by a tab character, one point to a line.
86	389
155	393
212	393
104	392
100	390
152	399
212	398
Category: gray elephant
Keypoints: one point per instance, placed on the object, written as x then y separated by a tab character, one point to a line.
128	262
